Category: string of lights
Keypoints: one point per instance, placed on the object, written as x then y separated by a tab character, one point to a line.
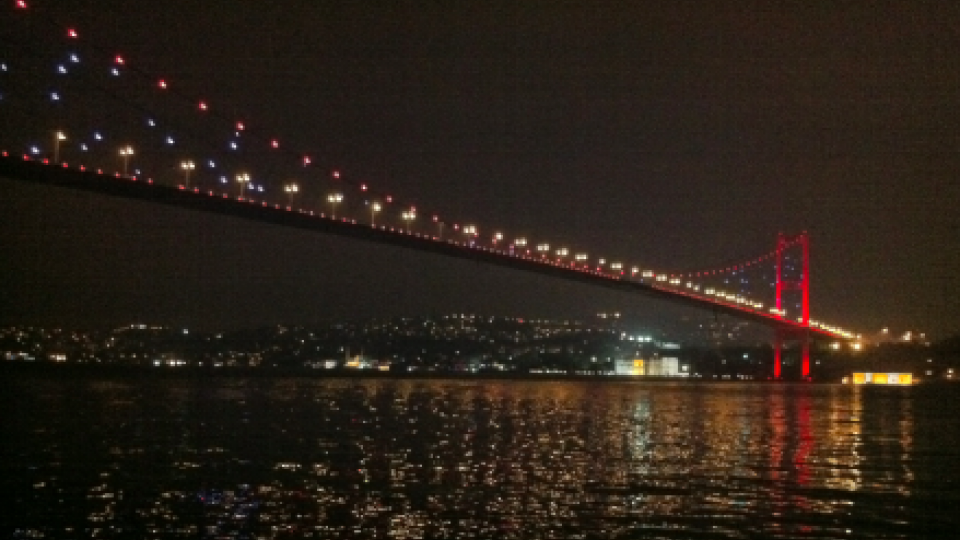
175	118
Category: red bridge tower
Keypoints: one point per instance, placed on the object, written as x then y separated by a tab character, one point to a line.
791	283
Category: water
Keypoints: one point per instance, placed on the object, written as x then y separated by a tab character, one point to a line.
348	458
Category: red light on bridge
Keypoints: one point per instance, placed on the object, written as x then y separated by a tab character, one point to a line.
203	106
118	59
162	84
336	174
22	4
71	33
275	143
239	126
306	160
363	187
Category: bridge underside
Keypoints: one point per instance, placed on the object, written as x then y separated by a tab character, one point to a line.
18	168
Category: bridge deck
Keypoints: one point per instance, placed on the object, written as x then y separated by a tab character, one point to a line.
20	168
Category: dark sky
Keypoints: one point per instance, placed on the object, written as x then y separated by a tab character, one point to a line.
679	135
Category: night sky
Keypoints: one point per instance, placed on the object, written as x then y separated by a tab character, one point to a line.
679	135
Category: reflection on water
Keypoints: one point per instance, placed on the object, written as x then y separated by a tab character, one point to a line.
280	458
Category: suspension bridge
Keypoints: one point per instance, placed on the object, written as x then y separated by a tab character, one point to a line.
167	147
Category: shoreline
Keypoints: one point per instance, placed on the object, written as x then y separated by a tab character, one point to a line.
139	372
